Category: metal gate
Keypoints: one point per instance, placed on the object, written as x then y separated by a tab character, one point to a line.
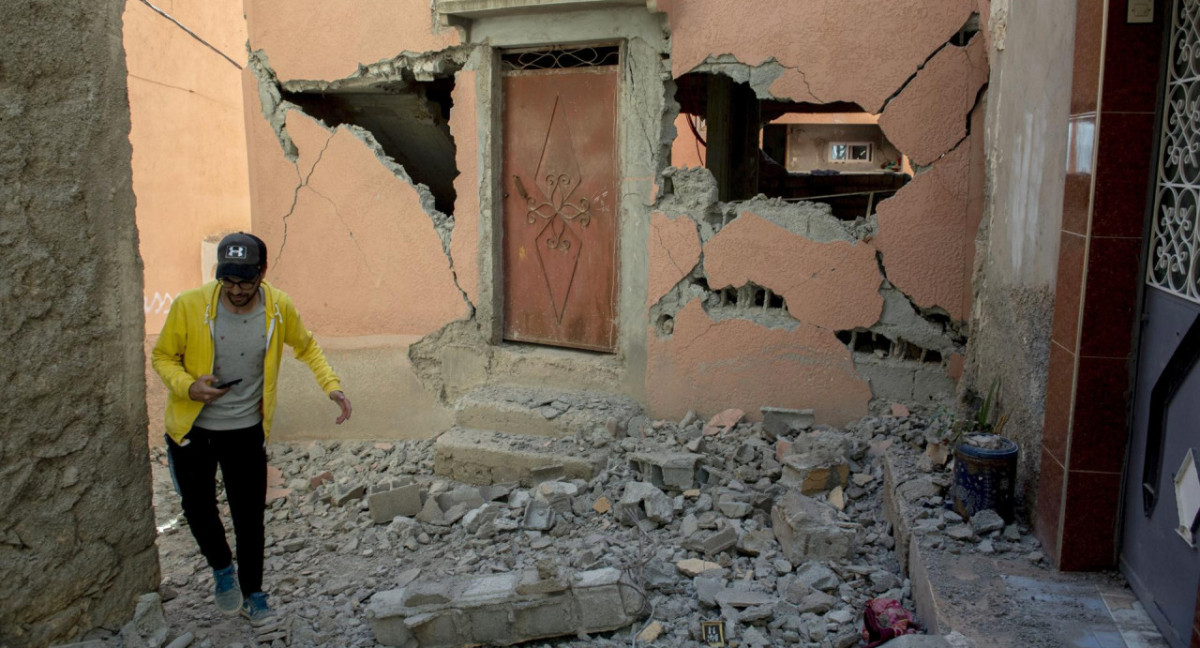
560	199
1162	492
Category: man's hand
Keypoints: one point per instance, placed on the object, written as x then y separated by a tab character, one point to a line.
343	402
202	391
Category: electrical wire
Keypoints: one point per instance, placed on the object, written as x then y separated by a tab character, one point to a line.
190	33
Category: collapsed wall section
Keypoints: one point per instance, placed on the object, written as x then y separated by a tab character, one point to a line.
842	310
76	523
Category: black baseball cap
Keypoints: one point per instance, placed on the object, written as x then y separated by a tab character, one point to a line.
241	255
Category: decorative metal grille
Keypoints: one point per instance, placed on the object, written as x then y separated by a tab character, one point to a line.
559	59
1174	244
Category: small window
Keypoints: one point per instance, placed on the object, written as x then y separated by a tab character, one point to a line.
851	152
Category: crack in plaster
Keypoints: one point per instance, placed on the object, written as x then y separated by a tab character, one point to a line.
275	108
909	80
350	231
303	182
671	257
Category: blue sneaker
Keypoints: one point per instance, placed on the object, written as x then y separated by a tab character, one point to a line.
225	591
256	609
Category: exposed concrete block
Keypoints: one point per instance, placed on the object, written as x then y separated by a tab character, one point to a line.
667	470
386	505
808	529
496	610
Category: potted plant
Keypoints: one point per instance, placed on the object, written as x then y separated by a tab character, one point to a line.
985	461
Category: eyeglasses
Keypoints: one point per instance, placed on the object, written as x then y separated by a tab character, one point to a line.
240	285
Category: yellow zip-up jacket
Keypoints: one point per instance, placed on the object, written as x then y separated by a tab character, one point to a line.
185	351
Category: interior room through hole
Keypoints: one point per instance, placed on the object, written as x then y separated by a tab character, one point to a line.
834	153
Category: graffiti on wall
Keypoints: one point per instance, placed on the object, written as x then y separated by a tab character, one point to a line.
159	304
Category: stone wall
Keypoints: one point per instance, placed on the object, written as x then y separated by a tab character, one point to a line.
76	524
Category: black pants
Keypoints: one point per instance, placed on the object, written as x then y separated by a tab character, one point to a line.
243	461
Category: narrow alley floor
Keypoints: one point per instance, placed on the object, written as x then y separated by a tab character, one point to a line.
699	554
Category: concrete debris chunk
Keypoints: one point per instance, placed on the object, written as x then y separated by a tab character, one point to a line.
650	632
672	471
816	471
713	543
347	493
490	610
148	626
741	598
723	422
807	529
986	521
468	495
386	505
643	500
757	542
431	513
818	577
781	421
695	567
556	494
538	516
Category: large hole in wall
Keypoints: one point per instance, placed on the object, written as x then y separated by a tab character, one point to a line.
409	119
833	153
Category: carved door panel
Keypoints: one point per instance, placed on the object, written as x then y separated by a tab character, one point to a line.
560	206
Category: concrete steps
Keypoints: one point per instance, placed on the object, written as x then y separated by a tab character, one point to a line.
529	434
535	411
492	457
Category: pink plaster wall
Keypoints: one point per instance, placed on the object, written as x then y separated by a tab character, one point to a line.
930	115
832	285
188	137
464	128
925	231
674	248
834	50
357	252
320	39
686	150
711	366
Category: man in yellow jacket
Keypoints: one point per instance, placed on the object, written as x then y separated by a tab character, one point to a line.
219	355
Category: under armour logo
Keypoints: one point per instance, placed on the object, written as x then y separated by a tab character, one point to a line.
235	252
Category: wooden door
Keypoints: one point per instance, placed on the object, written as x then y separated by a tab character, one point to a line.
560	206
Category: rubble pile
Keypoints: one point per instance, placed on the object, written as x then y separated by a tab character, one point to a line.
777	530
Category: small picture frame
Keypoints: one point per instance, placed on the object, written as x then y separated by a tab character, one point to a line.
713	633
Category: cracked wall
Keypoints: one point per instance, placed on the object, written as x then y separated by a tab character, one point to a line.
887	296
76	522
785	289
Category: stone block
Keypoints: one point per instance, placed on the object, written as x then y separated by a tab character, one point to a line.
809	529
386	505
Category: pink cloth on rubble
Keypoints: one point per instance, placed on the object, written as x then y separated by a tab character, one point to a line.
885	619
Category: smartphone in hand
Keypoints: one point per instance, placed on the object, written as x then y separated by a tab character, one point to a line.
227	384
